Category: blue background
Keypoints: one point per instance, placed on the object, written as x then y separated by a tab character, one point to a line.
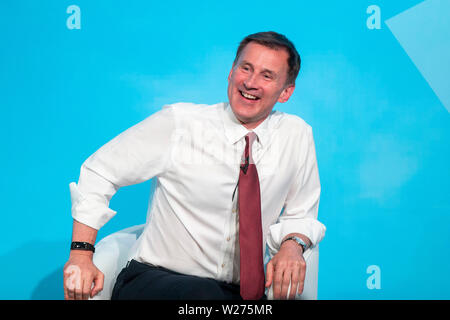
380	126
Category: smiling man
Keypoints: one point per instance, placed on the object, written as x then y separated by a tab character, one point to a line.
258	80
212	212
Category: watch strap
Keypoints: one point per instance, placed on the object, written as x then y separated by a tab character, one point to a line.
299	241
77	245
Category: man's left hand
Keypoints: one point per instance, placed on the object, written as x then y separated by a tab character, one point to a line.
286	267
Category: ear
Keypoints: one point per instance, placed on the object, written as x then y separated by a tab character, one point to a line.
286	93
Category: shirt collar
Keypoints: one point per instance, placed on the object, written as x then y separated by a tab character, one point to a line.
235	131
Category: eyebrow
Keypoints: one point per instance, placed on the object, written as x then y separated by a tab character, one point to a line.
264	70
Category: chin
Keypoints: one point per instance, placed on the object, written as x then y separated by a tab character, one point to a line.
248	120
244	113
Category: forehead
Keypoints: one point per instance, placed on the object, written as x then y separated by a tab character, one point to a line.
264	57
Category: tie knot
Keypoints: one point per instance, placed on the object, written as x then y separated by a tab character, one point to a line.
251	137
247	157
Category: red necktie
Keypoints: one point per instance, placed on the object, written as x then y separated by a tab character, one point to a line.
250	227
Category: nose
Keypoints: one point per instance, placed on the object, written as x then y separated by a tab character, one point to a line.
250	82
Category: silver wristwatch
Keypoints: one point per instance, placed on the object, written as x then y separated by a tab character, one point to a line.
299	242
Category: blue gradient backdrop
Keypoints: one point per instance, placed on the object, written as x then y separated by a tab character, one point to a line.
377	100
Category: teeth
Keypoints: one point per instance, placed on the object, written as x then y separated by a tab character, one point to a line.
248	96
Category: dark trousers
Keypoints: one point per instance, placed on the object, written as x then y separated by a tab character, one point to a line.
141	281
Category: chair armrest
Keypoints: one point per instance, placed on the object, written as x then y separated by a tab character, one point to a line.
111	256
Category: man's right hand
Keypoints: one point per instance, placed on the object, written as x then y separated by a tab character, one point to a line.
79	275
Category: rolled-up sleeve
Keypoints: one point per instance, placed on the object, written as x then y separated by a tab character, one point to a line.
302	203
134	156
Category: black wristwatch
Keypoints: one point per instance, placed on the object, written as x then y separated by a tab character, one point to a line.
82	246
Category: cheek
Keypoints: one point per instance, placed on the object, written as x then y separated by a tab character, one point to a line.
274	92
237	78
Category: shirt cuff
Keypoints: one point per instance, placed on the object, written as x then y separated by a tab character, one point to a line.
83	209
311	228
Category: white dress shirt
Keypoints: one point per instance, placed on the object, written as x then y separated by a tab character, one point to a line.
194	152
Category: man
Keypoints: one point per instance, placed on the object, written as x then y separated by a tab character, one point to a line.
224	174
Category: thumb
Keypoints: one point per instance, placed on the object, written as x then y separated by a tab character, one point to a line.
98	284
269	274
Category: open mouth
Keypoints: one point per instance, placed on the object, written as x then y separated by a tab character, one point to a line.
248	96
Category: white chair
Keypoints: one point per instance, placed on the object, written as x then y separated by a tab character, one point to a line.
112	253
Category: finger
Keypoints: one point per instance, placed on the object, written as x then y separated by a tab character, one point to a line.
70	293
78	294
86	291
98	284
78	290
66	293
294	284
69	287
285	283
269	274
277	282
301	280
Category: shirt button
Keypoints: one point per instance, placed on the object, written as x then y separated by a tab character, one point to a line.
228	238
234	210
223	265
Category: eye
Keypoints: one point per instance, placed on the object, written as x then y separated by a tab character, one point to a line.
267	76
